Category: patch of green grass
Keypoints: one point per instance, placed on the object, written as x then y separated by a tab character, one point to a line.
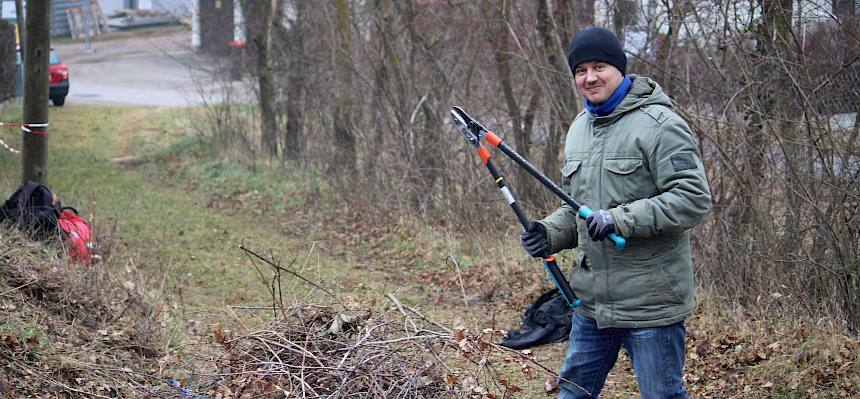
25	340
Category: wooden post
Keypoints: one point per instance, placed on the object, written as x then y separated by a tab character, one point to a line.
34	154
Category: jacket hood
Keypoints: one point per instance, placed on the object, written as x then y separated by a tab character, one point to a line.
644	91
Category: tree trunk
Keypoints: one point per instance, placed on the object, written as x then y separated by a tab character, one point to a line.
584	11
428	161
345	137
261	36
294	140
562	101
674	15
499	39
618	19
382	18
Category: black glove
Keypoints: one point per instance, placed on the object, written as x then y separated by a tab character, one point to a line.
534	240
600	224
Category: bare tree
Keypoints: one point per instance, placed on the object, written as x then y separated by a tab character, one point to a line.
297	69
345	137
558	80
769	90
522	117
260	34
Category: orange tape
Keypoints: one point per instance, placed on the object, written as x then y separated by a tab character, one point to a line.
493	139
550	259
484	153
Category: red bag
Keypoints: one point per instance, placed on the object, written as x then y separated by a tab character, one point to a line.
79	237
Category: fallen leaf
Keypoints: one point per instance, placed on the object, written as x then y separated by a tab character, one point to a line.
550	385
218	333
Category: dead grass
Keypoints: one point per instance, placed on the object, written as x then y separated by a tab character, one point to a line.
733	351
74	330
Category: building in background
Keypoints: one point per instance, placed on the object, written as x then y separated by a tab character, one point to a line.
217	26
60	22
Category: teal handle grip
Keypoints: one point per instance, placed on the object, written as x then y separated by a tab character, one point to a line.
620	242
563	287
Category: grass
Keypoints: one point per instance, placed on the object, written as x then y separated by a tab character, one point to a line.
138	177
29	339
173	227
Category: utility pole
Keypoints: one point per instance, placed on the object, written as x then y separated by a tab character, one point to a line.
34	154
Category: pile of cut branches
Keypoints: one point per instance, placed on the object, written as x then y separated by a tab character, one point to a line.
393	351
321	352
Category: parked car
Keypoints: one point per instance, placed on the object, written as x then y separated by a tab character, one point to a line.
58	79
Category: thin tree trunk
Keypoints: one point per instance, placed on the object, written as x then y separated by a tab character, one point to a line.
345	137
260	34
618	19
562	100
294	140
664	51
499	15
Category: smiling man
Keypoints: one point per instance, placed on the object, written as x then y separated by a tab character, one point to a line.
629	155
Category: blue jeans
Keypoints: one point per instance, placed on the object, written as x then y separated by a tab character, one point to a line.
657	354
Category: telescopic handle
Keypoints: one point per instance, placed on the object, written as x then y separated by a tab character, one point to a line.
563	286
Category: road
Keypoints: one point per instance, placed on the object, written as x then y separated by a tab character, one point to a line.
149	68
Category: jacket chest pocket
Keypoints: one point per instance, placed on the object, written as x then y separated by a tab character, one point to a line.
571	181
626	180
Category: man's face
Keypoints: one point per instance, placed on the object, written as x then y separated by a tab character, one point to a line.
597	80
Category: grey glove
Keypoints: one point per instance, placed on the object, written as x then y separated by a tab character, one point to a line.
534	240
600	224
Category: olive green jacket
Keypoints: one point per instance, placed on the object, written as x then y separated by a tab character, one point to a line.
641	163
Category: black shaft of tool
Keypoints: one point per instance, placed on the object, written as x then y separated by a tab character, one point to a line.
514	155
500	181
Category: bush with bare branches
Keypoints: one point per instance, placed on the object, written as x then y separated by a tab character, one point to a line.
363	90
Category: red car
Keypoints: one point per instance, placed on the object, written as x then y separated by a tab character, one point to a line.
59	80
58	87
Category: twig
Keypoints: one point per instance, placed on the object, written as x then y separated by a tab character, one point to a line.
55	382
459	279
271	263
18	287
399	305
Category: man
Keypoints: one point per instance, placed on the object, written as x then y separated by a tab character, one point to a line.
631	157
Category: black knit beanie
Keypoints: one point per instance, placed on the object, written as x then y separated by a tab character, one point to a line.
596	44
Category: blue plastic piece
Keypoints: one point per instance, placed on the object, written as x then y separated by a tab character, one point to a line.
620	242
585	212
184	392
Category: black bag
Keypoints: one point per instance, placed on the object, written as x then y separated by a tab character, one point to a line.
546	321
32	209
